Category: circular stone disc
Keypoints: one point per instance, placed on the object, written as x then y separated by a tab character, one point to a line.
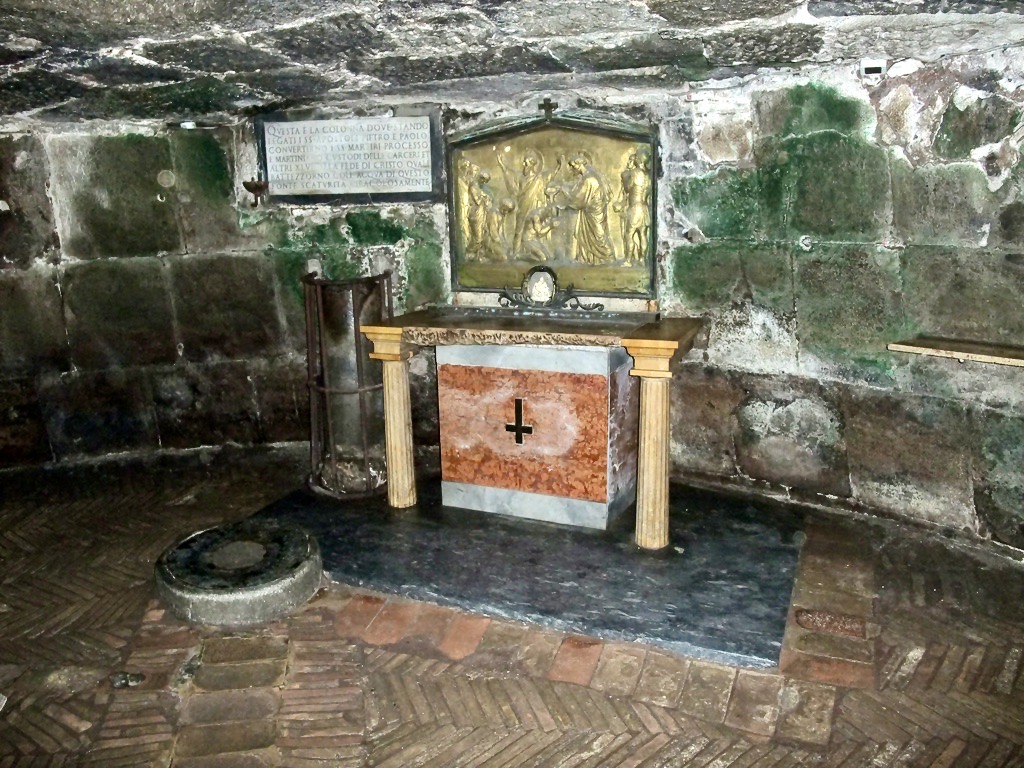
240	574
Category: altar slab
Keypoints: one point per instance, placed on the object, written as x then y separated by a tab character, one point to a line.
719	592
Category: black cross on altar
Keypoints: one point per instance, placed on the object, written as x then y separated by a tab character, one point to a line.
548	106
519	428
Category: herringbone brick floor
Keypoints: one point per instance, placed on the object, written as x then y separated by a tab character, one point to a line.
356	679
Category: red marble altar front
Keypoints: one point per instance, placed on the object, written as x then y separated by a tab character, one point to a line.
565	452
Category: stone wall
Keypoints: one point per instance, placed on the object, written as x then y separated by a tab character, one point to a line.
811	216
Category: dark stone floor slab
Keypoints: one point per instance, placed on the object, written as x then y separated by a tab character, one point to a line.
720	591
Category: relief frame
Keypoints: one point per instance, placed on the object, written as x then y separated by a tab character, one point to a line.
571	192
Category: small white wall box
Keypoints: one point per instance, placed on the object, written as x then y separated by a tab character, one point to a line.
873	67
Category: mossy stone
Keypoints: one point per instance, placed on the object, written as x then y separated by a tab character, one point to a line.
942	204
848	302
724	204
119	313
206	189
426	282
831	186
983	121
965	294
999	492
119	208
807	109
370	228
708	275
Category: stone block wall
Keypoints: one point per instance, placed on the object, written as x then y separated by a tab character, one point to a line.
822	221
145	306
811	216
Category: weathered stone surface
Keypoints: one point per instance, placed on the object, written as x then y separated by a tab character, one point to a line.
32	337
213	739
877	7
747	337
687	13
848	301
793	42
327	41
35	88
998	483
977	120
713	274
226	307
724	140
426	428
205	405
218	55
119	313
102	412
724	204
23	437
942	204
26	218
805	109
971	295
222	650
707	690
911	457
426	280
649	50
495	60
112	202
204	185
796	441
703	408
825	185
806	711
1010	229
282	399
186	99
754	705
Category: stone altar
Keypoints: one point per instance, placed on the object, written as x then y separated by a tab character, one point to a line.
649	343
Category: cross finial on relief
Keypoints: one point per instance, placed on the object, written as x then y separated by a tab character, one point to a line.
548	106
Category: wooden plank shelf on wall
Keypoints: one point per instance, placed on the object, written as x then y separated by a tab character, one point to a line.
975	351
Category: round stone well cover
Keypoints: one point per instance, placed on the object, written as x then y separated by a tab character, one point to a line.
240	574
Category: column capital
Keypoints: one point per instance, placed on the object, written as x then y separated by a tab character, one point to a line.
651	359
653	346
387	342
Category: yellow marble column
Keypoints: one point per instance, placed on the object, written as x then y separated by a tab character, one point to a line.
652	465
652	354
389	348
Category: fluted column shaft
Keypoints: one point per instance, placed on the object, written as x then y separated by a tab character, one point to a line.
652	467
394	353
398	434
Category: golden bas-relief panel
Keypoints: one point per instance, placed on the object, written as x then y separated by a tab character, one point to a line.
577	202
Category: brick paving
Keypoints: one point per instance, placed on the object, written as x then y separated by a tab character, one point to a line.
905	652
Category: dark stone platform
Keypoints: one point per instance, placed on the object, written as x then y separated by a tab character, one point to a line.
720	591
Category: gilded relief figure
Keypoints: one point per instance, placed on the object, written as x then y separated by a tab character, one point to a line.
527	190
591	242
636	203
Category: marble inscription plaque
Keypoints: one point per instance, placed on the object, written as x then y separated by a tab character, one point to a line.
377	155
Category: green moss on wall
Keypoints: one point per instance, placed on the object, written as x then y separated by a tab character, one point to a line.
984	121
426	282
120	209
202	160
706	276
301	242
370	228
724	204
807	109
942	204
849	304
830	186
